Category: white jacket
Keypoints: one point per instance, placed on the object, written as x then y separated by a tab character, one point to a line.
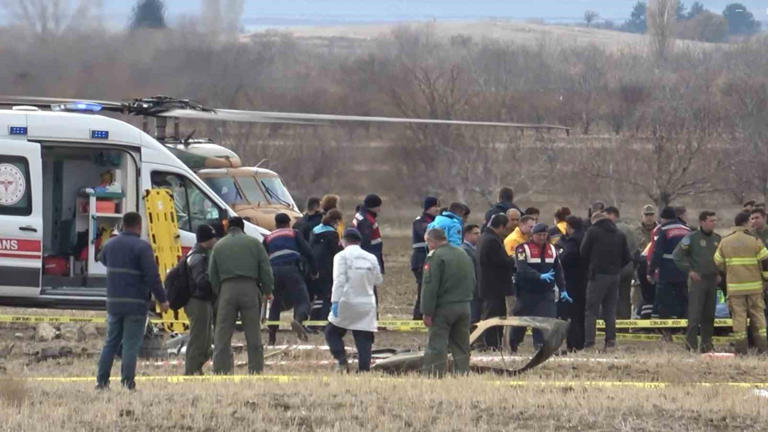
355	272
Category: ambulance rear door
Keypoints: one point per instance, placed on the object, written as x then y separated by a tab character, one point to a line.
21	222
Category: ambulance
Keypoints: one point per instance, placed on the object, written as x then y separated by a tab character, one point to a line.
66	178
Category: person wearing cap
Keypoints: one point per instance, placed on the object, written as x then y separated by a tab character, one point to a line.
695	256
605	253
419	247
449	285
645	233
199	308
366	224
353	301
451	221
288	251
539	275
749	206
240	276
671	298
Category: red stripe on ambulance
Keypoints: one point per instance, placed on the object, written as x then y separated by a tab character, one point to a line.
10	245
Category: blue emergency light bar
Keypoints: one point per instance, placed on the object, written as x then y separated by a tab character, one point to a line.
77	107
99	134
17	130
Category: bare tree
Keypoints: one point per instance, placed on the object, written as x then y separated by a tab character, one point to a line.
662	16
590	16
51	17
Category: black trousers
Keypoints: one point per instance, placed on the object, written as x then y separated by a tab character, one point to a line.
418	274
290	293
492	308
531	304
334	336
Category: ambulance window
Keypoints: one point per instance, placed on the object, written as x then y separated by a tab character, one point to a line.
15	187
175	184
202	209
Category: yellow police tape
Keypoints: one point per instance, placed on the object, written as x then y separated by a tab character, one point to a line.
658	337
177	379
396	325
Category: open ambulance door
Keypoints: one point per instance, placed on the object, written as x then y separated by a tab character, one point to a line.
21	221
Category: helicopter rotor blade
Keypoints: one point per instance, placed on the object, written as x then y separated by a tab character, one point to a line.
283	117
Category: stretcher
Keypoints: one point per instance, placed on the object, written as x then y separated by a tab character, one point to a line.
163	234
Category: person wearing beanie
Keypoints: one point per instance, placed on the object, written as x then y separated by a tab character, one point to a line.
353	301
539	275
366	224
419	247
671	297
288	251
199	308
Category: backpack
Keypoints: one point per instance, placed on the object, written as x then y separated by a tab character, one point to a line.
177	285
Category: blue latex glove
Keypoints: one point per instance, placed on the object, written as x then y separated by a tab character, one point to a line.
548	277
564	297
335	309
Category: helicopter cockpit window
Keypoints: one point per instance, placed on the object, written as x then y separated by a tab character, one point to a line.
193	207
251	189
225	188
276	191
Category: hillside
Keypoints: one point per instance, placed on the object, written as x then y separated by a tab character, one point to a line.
504	30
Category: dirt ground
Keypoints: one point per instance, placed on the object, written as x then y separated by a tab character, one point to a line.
640	386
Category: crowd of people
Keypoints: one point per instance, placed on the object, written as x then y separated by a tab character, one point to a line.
578	269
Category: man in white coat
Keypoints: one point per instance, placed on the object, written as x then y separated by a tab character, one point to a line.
353	302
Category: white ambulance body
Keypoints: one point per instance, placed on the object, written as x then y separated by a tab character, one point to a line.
50	165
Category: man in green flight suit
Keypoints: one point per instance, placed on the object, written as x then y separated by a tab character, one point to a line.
241	277
695	255
447	290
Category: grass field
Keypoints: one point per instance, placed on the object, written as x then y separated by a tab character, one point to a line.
641	386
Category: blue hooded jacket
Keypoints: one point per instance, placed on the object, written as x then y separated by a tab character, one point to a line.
453	226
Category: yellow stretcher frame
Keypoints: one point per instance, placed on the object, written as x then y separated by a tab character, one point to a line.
163	233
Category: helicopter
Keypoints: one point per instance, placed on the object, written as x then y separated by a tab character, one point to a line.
256	194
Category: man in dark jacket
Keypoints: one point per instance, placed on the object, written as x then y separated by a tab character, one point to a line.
494	269
538	276
471	237
325	244
287	248
419	247
671	299
605	253
506	202
132	276
575	279
311	219
199	308
365	222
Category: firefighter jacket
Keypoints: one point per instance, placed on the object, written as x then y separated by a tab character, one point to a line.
744	260
419	254
696	253
365	222
532	261
669	235
514	240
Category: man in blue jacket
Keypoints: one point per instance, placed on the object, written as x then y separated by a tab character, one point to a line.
131	276
451	222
